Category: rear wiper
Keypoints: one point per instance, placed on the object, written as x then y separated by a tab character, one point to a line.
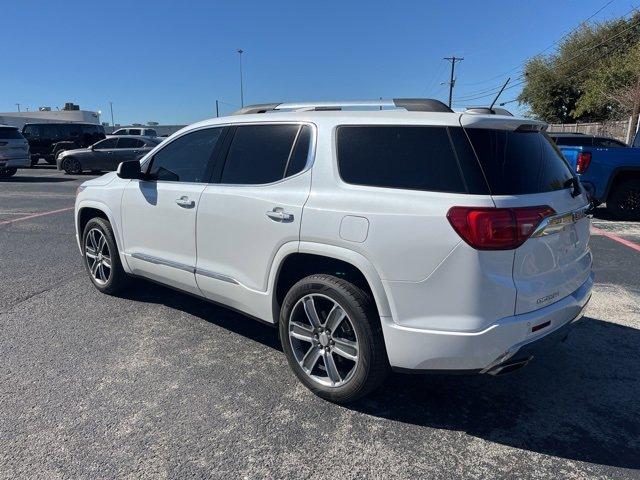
575	183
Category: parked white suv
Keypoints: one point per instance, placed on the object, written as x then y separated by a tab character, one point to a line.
409	237
14	151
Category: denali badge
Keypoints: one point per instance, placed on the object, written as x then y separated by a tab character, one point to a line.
547	298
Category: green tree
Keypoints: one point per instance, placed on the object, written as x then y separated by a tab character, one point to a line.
589	77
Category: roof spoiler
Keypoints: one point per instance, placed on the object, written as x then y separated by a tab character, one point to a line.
488	111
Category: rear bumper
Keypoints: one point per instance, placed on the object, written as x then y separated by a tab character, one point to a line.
509	339
15	162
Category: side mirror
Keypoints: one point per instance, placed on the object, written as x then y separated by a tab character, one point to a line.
130	170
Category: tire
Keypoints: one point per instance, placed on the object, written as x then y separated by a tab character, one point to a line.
35	161
8	172
624	202
355	378
71	166
107	279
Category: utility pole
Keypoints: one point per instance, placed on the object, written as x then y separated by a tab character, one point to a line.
111	107
452	80
240	52
18	105
217	111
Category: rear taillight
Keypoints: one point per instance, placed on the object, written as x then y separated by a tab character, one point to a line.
583	162
497	228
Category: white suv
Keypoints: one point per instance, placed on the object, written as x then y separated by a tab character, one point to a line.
409	236
14	151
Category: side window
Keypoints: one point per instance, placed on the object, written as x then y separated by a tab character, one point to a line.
135	131
187	158
406	157
258	154
74	130
300	153
604	142
51	131
151	132
108	143
32	131
126	142
120	131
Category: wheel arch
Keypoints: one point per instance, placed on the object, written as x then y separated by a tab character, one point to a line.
311	258
620	175
87	210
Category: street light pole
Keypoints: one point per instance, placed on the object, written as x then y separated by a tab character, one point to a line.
111	107
18	105
240	52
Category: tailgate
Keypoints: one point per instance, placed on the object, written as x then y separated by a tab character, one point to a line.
556	260
524	168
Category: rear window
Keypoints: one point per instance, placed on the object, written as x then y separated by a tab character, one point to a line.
519	162
10	133
577	141
408	157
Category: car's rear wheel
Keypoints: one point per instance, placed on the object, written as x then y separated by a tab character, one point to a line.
331	335
7	172
624	201
71	166
101	257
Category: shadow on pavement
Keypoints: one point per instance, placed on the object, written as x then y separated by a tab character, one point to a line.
581	402
29	179
147	291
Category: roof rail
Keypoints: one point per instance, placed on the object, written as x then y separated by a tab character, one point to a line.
409	104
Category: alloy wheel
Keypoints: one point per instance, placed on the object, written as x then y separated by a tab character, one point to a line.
96	250
323	340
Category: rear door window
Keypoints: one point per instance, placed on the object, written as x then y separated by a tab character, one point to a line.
135	131
408	157
10	133
259	154
126	142
519	162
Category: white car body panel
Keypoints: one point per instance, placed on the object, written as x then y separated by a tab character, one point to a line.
443	305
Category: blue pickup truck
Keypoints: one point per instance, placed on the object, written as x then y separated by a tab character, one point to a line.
610	174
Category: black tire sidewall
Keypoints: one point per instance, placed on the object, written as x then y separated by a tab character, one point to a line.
67	164
118	277
618	196
361	313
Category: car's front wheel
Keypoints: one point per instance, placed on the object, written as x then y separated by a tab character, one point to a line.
71	166
331	335
101	257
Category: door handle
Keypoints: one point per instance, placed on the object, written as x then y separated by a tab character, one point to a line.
279	215
184	202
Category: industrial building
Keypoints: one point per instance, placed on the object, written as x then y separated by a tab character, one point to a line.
69	113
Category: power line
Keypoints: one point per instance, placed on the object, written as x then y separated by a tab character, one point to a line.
488	93
565	35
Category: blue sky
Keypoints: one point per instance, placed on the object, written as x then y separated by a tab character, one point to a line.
168	61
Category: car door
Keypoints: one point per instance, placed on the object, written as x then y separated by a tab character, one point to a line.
251	210
159	213
100	156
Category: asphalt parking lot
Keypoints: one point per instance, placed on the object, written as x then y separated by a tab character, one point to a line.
159	384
